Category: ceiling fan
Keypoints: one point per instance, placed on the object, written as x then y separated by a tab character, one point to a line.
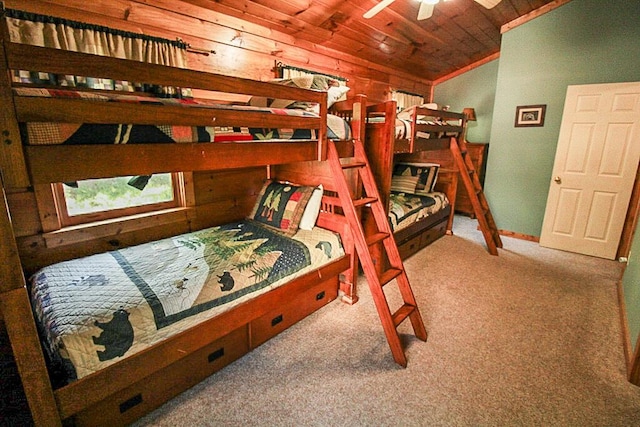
426	7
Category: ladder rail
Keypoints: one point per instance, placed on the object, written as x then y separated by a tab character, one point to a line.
471	182
396	272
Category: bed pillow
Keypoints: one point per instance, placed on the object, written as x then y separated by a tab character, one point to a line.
280	205
404	178
414	178
427	179
310	81
311	212
335	93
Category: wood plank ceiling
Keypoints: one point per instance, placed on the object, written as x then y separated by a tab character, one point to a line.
460	32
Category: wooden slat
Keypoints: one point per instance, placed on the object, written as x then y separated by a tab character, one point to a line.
32	109
222	212
12	165
220	186
24	213
11	276
26	57
84	162
423	144
112	228
27	352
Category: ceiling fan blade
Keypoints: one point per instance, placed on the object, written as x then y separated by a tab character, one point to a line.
377	8
425	11
488	3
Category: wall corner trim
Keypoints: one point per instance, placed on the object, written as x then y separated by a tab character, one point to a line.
532	15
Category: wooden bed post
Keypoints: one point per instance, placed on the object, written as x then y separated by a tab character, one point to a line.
12	163
21	327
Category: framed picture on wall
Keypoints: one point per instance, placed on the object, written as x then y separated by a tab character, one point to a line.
530	115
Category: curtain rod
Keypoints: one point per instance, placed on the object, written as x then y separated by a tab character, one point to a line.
291	67
198	50
36	17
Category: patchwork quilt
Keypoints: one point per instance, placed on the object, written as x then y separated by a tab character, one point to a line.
97	310
38	133
407	208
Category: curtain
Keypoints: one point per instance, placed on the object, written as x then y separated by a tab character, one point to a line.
288	72
406	99
52	32
47	31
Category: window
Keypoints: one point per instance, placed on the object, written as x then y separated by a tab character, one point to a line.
106	198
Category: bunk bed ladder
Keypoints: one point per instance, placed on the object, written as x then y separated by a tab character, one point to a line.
479	202
376	280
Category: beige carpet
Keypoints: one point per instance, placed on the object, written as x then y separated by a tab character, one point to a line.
528	338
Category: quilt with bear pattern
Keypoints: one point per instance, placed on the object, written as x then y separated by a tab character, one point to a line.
97	310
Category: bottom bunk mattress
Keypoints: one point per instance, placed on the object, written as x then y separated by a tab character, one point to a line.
406	208
97	310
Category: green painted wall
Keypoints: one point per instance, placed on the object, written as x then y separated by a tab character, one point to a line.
581	42
462	92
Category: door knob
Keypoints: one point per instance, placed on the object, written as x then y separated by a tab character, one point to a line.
557	180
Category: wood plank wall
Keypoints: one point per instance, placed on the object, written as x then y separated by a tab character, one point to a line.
242	48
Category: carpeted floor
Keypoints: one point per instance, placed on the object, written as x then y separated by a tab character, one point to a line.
528	338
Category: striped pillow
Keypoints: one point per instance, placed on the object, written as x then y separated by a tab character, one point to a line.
280	205
414	178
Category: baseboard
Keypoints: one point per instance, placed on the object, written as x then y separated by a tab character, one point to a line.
520	236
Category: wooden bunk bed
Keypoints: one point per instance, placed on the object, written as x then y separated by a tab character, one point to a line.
410	138
32	238
391	141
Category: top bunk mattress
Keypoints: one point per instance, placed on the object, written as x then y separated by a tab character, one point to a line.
38	133
97	310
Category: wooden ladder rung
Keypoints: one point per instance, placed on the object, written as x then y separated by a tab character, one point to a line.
402	313
364	201
363	243
375	238
389	275
353	165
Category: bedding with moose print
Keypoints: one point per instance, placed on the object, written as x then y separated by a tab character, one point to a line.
97	310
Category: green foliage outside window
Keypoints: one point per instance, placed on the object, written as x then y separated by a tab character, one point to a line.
99	195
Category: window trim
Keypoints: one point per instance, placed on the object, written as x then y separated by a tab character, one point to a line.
66	220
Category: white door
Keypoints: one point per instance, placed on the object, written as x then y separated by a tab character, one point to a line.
594	170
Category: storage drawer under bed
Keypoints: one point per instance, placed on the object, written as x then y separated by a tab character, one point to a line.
413	244
296	309
152	391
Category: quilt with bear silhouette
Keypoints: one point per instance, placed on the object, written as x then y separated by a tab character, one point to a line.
96	310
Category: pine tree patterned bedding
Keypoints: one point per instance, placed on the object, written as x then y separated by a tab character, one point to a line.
406	208
38	133
96	310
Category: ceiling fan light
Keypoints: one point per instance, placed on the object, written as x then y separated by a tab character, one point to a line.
488	3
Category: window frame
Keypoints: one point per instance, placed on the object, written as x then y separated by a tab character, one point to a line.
66	220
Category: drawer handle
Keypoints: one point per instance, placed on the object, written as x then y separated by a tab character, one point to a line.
130	403
276	320
320	296
216	355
